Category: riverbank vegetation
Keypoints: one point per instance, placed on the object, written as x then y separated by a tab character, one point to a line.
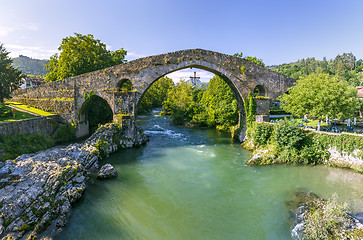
286	142
329	220
283	142
18	144
319	219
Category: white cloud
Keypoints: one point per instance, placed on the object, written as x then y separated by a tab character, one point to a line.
205	76
132	56
108	47
4	31
38	52
31	26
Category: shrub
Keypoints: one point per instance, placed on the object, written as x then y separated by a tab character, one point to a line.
288	155
5	111
101	146
261	134
327	220
18	144
66	133
291	143
288	134
346	143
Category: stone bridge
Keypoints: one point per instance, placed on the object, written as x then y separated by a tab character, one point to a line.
67	96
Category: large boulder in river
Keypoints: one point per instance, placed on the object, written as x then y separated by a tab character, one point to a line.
107	171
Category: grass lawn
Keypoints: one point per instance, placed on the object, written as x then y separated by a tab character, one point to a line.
29	109
18	116
313	123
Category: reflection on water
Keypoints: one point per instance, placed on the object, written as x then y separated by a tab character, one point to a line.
194	184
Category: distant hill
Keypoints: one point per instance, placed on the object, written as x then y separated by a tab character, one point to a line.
191	81
30	66
199	85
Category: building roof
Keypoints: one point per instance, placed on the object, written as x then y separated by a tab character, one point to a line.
35	80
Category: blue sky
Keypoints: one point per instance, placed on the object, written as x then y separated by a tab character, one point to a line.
276	31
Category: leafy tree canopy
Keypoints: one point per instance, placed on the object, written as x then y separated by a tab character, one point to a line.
214	107
180	102
156	94
320	95
220	105
80	54
345	66
9	76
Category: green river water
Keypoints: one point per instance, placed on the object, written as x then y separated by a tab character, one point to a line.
194	184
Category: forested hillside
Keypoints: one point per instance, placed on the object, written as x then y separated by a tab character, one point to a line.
30	66
345	66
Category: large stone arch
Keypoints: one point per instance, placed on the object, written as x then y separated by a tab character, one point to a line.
67	96
201	65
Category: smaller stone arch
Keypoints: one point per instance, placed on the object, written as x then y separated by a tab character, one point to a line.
259	90
95	110
124	85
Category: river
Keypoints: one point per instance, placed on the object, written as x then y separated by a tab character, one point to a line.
193	184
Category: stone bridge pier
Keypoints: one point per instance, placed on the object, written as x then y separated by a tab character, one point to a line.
123	86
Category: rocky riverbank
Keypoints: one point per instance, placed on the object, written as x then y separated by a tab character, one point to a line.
37	190
316	218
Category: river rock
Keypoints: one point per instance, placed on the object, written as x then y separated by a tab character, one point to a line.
107	171
302	202
38	190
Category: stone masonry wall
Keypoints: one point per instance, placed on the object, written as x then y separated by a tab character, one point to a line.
46	125
56	97
263	106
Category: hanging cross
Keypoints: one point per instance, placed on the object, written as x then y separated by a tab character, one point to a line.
194	79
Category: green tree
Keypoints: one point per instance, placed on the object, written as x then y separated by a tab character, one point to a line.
80	54
9	76
320	95
220	105
156	94
344	66
179	103
343	62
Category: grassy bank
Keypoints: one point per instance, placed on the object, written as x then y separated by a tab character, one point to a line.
13	115
29	109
